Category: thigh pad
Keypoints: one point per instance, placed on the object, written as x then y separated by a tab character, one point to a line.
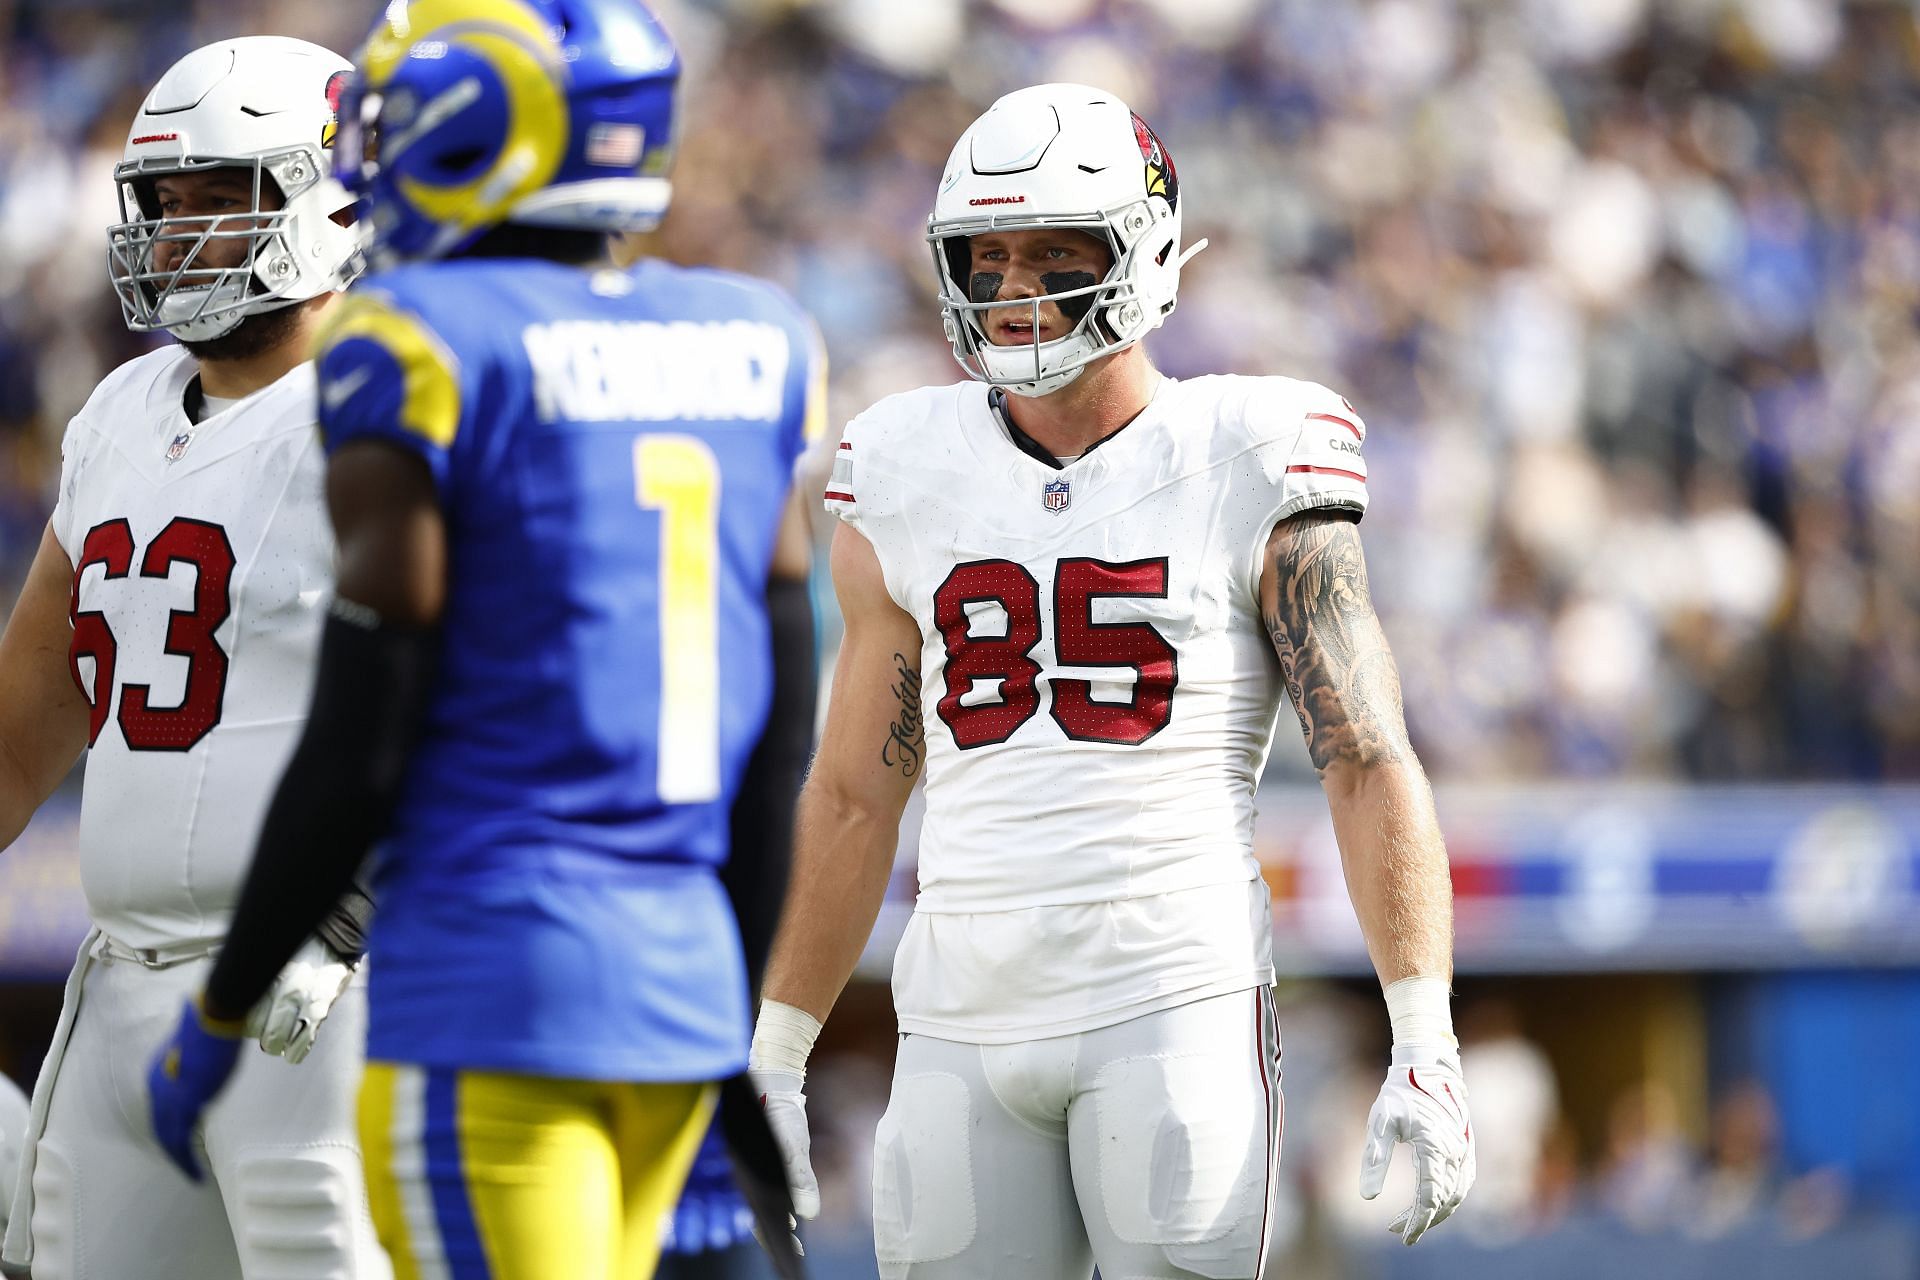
1183	1152
300	1212
923	1193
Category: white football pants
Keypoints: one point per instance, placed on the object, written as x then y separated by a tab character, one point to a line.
285	1197
1149	1146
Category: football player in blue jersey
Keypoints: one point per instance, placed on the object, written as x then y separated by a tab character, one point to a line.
569	666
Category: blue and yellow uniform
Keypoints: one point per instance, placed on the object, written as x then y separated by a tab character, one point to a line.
612	452
559	721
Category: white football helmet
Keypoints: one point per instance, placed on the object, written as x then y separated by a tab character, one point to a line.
264	103
1050	156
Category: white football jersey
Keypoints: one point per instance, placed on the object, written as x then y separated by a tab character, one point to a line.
203	560
1099	691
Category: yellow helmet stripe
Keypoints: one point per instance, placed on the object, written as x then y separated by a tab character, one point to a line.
407	25
535	144
514	41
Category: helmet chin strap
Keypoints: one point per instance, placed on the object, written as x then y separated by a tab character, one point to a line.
184	315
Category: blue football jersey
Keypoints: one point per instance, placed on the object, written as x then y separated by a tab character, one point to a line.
613	450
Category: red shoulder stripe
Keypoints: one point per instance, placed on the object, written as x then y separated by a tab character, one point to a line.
1334	417
1326	471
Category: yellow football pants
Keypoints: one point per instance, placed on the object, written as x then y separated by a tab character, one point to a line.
479	1175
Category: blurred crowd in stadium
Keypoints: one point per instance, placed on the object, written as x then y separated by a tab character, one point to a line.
1626	293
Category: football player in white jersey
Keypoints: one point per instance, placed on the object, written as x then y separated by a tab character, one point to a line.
169	626
1073	597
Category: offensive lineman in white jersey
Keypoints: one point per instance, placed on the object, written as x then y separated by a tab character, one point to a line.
170	623
1069	589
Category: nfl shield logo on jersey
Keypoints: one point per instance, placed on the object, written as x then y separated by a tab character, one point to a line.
1057	495
179	446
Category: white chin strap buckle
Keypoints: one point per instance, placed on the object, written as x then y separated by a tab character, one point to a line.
183	311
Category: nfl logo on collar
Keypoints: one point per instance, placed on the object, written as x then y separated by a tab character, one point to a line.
1056	495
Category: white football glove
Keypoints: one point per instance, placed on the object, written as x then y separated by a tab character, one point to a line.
288	1017
1423	1104
786	1107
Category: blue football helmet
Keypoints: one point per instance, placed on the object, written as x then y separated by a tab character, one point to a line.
466	114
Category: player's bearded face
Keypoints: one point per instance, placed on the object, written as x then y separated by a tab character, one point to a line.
1011	265
226	194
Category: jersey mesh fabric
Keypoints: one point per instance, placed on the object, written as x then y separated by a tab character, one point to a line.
1099	691
204	560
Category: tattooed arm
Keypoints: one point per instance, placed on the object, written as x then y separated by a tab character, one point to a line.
869	757
1340	673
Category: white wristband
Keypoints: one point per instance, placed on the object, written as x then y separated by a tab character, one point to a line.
1421	1013
782	1039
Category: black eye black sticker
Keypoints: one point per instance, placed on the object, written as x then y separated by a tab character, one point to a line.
984	286
1075	309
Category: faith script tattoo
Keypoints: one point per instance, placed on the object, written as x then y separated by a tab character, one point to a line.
904	739
1334	656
